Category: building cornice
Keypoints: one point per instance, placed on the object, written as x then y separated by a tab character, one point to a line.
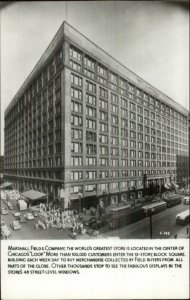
69	33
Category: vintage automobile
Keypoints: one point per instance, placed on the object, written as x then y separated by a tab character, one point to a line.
2	222
29	216
5	233
15	225
186	200
10	206
35	213
4	211
16	214
95	223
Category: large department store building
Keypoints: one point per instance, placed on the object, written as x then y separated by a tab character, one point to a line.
84	120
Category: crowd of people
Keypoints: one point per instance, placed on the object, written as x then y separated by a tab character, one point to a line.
52	217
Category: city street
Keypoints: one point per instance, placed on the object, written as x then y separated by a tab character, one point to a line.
163	223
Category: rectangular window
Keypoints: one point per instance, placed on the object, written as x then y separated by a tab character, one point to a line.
123	83
90	175
75	189
76	133
102	80
103	139
114	151
114	140
75	53
103	93
103	116
124	143
124	122
103	104
76	175
91	149
76	147
103	150
114	109
114	119
76	107
91	161
89	73
103	161
132	144
124	132
113	77
124	162
76	80
90	99
103	186
75	66
132	106
124	102
76	161
90	136
90	124
102	70
75	93
91	112
103	127
124	112
76	120
89	62
90	87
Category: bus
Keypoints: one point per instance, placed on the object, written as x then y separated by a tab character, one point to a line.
173	200
155	207
183	218
125	215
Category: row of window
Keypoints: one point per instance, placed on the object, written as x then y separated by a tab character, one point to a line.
116	80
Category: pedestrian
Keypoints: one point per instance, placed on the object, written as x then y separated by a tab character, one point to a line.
175	236
74	235
187	230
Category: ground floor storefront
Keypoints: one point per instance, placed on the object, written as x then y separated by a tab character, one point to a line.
85	199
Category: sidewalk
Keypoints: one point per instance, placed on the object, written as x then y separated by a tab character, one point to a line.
182	233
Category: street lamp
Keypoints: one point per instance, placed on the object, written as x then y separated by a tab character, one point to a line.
61	199
47	198
150	212
144	182
79	197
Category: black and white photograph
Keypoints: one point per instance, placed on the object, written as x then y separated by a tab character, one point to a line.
95	118
94	164
91	149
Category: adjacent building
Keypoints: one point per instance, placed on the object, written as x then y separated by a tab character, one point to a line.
1	168
84	120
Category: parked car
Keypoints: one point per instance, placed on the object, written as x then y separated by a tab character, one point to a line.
10	206
29	216
4	211
2	222
186	200
95	222
16	213
35	214
15	225
5	233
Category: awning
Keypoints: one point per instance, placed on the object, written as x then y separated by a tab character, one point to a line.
6	184
33	195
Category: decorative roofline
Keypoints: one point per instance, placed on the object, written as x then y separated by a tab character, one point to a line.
69	32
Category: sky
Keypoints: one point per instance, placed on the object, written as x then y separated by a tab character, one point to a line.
151	38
